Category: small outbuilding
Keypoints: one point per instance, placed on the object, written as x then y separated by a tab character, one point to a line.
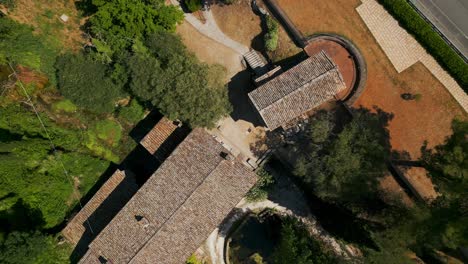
307	85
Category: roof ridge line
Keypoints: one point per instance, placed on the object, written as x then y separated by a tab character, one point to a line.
321	53
321	76
177	209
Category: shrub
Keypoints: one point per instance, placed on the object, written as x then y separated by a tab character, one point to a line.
109	131
260	190
8	3
87	83
132	112
193	5
64	106
429	39
193	260
271	37
101	136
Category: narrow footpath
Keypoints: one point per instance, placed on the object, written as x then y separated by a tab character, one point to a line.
211	30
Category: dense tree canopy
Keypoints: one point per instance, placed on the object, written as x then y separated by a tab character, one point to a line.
87	83
33	247
345	167
178	85
296	246
119	22
448	163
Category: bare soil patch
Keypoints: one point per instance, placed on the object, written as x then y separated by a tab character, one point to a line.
421	182
391	189
239	22
210	51
414	121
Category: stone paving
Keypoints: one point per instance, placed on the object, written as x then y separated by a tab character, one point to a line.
402	49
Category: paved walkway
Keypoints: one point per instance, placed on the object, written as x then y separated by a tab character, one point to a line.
211	30
402	49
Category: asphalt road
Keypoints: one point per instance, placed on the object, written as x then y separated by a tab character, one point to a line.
450	17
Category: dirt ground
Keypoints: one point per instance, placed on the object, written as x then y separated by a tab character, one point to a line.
209	51
240	23
44	17
421	182
428	118
391	189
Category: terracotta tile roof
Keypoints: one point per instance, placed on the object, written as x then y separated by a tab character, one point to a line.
158	135
98	212
177	208
298	90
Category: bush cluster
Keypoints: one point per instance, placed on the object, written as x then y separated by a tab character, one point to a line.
8	3
260	190
193	5
429	39
271	37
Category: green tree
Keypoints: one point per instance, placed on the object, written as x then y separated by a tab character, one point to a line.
271	37
320	127
346	168
448	163
119	22
296	246
32	247
133	112
173	81
193	5
87	83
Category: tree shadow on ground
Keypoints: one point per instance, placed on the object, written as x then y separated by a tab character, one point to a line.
20	217
330	215
86	6
105	212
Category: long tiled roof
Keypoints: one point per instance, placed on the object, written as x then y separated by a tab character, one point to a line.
298	90
98	212
177	208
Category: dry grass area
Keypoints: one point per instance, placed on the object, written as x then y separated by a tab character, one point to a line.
391	190
210	51
44	17
414	121
421	182
240	23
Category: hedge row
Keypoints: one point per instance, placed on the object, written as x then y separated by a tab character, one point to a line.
271	37
429	39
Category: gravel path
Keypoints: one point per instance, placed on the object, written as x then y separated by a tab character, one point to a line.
211	30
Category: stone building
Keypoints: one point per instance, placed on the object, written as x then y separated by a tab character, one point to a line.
307	85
